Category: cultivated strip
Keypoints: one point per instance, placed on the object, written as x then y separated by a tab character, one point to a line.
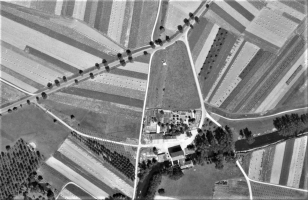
255	164
79	9
68	195
284	8
277	163
17	82
136	67
116	20
249	7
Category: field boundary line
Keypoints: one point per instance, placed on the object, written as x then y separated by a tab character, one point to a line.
82	134
157	16
18	88
260	117
247	179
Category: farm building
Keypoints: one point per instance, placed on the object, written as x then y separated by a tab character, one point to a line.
177	154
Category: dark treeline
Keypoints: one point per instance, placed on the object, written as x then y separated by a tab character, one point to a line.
291	125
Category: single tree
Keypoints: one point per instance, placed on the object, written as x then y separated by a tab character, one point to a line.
55	120
7	147
207	5
191	15
97	66
145	53
92	75
44	95
28	101
104	61
20	105
80	72
37	98
107	68
152	44
49	85
191	26
40	178
161	191
122	62
197	19
119	56
9	110
76	81
72	117
155	151
128	52
130	58
57	82
180	28
159	41
162	28
167	38
186	21
64	78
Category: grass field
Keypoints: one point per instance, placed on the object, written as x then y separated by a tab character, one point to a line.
78	191
235	189
36	127
198	182
167	89
9	94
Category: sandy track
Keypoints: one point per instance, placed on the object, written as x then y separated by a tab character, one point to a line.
297	162
136	67
282	88
236	15
68	195
228	60
17	82
276	5
206	48
76	178
271	27
83	159
255	164
232	77
116	20
59	50
58	8
121	81
277	163
253	10
79	9
27	67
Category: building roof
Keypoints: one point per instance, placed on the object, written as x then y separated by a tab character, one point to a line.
176	151
161	157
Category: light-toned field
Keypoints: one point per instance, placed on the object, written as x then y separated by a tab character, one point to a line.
276	5
253	10
47	45
9	94
121	81
232	77
30	68
255	164
206	48
76	178
236	15
178	11
85	160
25	3
65	194
297	162
116	20
228	60
58	8
79	9
282	87
277	164
272	27
17	82
136	67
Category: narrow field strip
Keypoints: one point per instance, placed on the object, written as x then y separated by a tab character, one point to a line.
255	165
299	149
287	157
253	10
111	89
105	17
84	169
45	6
59	50
303	184
98	14
206	48
76	178
295	5
195	35
82	158
94	4
132	74
17	82
127	22
77	191
231	79
235	14
284	8
64	66
272	27
87	11
116	20
58	7
282	87
105	97
132	41
68	195
79	9
257	4
240	9
136	67
121	81
290	17
20	77
277	163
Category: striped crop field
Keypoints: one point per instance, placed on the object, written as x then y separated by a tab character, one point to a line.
255	165
9	94
177	12
232	79
72	191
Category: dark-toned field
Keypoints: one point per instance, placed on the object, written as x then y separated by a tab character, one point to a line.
78	192
172	86
241	10
286	163
33	125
